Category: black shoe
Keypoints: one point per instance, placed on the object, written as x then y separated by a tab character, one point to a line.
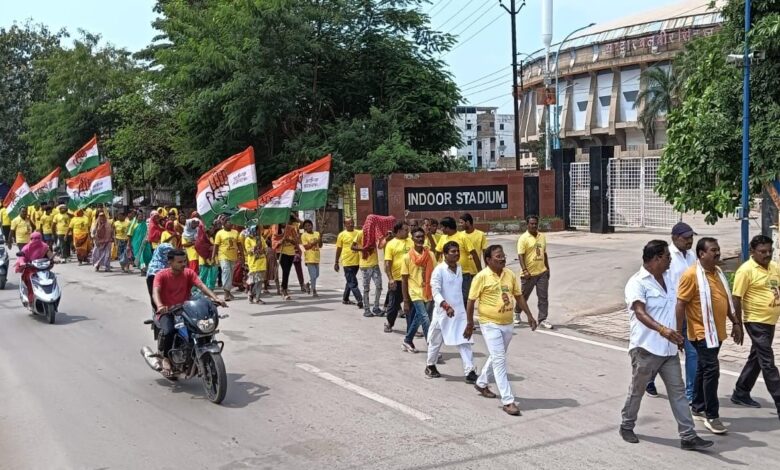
368	313
695	443
629	436
471	378
651	391
403	315
432	372
360	305
744	400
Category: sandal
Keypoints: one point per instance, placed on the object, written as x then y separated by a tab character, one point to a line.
287	297
347	302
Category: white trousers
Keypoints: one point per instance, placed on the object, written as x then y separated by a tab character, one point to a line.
435	342
497	338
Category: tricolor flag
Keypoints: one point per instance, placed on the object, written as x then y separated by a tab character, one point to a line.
86	158
18	197
91	187
227	185
46	189
314	180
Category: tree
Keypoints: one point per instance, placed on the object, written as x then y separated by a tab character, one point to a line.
21	83
660	96
700	169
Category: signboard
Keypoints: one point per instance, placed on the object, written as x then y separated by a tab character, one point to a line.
460	198
364	194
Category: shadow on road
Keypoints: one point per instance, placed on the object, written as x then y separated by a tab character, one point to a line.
546	403
66	319
727	443
239	394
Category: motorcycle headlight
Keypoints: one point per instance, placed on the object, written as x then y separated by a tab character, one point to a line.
207	325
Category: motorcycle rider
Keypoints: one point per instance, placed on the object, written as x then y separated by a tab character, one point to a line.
34	250
172	286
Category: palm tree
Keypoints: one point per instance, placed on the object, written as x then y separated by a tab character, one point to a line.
661	95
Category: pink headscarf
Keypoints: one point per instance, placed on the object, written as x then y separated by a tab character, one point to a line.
35	249
154	231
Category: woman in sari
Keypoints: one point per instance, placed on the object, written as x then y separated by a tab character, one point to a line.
81	242
103	234
170	235
208	268
154	229
34	250
142	250
272	268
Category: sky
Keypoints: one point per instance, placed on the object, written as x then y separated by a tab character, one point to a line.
482	26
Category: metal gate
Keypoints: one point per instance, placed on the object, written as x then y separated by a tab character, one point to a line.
579	198
633	201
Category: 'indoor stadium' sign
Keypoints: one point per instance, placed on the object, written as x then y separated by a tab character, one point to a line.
435	199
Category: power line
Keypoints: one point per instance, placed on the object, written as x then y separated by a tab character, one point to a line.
478	85
487	10
486	76
502	95
453	16
505	82
433	7
451	31
475	34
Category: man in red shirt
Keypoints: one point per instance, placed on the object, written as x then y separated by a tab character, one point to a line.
172	286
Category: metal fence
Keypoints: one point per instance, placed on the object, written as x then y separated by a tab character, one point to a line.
579	202
633	201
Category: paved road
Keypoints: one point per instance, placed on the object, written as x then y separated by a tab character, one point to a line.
313	384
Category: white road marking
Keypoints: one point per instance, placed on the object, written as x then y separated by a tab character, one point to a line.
619	348
364	392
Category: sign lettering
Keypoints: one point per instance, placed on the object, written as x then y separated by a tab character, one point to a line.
437	199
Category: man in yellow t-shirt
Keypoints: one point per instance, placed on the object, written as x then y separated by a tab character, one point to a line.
469	258
432	235
534	269
226	251
256	262
312	242
350	259
21	229
5	223
757	302
395	250
61	224
369	266
477	237
492	293
416	270
122	240
46	224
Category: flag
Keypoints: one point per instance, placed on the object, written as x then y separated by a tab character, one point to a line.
277	203
314	180
86	158
227	185
18	196
46	189
90	187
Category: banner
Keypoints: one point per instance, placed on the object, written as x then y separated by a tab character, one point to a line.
46	189
86	158
91	187
314	180
224	187
18	196
273	207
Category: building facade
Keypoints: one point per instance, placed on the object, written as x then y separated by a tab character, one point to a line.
487	138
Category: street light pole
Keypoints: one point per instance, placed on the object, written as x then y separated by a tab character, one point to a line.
513	11
745	228
517	118
557	73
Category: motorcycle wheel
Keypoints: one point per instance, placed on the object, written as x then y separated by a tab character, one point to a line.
214	378
50	311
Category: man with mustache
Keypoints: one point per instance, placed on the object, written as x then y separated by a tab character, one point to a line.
704	299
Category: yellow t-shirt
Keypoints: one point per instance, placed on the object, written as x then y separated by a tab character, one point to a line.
345	241
22	229
465	246
45	223
227	241
4	218
311	255
759	290
416	281
495	296
255	263
479	241
79	225
688	290
395	250
120	229
372	259
32	215
288	248
532	249
436	237
61	223
166	237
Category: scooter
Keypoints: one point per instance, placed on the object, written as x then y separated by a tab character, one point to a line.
46	291
4	263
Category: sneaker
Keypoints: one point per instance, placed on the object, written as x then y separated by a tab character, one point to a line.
698	415
511	409
715	426
517	320
432	372
471	378
388	328
419	334
695	443
744	400
629	436
368	313
408	347
546	325
485	391
651	391
377	311
360	305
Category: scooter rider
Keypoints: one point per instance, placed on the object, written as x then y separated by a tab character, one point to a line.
34	250
172	286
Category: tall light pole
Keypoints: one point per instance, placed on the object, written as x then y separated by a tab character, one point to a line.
557	74
517	127
513	11
745	228
547	32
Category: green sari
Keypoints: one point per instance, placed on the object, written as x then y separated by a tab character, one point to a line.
141	249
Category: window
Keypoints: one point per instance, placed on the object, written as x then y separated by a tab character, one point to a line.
605	100
468	142
631	95
582	105
492	155
492	125
479	127
468	126
479	162
492	140
479	144
501	143
501	127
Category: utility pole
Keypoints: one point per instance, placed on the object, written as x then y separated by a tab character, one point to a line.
513	11
745	228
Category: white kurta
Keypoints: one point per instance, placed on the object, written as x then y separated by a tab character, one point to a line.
448	286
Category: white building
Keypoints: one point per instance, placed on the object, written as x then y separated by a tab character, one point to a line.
487	138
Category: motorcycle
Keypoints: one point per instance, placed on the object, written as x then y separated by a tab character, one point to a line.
4	262
195	349
45	289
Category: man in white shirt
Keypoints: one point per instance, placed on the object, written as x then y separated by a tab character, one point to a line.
683	257
449	314
654	343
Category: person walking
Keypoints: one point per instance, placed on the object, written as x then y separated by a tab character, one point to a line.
449	315
46	224
477	237
416	270
226	252
255	249
122	240
654	343
369	267
757	303
469	258
5	223
312	243
534	268
21	229
290	239
103	236
395	250
703	297
492	292
350	260
683	258
61	222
